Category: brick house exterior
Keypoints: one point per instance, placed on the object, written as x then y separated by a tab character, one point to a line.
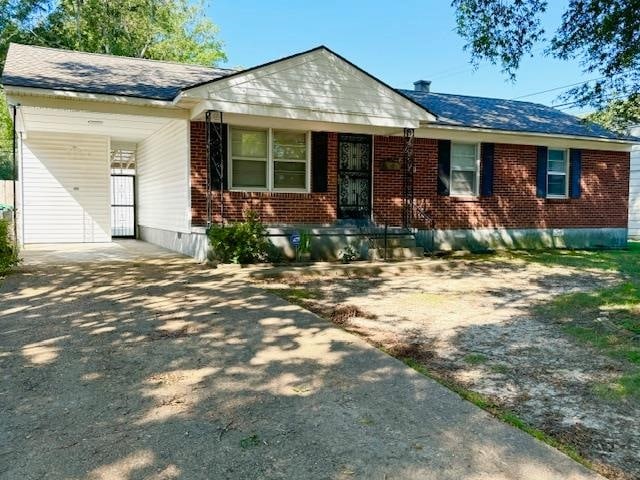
513	203
311	142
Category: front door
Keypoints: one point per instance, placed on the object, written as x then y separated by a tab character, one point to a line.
354	177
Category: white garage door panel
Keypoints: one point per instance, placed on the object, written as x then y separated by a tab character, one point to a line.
66	189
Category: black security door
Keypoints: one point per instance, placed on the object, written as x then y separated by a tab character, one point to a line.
123	210
354	177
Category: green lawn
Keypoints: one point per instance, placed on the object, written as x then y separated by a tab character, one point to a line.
607	318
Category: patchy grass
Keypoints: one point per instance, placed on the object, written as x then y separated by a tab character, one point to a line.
607	319
503	414
623	261
299	296
250	441
475	358
626	386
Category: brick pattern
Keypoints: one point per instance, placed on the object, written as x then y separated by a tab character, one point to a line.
319	208
603	203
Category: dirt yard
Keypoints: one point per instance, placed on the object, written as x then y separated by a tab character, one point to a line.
494	326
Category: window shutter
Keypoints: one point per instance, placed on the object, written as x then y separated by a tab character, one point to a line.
541	173
319	161
487	151
219	165
575	171
444	166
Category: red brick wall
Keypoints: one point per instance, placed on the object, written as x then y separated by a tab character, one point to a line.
273	207
603	203
605	180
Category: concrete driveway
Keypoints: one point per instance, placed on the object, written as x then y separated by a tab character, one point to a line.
160	368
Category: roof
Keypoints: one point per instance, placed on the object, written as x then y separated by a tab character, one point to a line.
52	68
507	115
57	69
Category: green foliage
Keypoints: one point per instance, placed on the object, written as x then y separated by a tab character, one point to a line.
173	30
618	115
241	242
8	251
603	34
349	254
305	242
6	140
475	358
505	41
176	30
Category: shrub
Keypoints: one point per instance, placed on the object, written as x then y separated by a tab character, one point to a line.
240	242
8	250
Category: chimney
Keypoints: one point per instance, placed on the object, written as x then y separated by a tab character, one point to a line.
422	86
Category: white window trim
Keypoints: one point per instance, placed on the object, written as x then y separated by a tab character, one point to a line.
270	161
476	192
565	173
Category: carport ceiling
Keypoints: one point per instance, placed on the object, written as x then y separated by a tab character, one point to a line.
124	128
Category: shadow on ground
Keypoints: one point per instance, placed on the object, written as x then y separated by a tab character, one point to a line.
163	369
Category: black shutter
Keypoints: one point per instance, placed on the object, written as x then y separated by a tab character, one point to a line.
319	161
541	173
575	171
487	151
444	166
219	165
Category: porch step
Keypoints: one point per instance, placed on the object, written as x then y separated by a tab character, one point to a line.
396	253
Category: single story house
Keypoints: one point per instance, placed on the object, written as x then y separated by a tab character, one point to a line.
113	146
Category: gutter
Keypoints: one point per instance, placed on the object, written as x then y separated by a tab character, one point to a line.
532	134
75	95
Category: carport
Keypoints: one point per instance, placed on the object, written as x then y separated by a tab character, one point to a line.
79	169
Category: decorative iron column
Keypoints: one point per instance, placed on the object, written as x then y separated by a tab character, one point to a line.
408	173
214	129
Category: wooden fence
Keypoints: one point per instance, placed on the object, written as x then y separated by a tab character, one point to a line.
6	192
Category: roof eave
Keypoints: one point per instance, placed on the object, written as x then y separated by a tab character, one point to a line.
80	95
529	133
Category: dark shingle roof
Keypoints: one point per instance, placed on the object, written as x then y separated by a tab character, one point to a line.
41	67
507	115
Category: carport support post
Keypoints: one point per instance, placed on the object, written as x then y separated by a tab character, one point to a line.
15	175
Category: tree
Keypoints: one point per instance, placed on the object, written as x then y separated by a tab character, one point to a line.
174	30
603	34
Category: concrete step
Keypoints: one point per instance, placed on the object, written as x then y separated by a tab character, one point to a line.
394	241
396	253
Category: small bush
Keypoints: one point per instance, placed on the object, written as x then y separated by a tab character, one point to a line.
241	242
8	250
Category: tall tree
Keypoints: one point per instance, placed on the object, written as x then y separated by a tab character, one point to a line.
175	30
603	34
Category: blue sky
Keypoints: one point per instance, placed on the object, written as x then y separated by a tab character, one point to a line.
414	40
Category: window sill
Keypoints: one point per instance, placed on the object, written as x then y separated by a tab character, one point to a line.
464	198
268	193
557	199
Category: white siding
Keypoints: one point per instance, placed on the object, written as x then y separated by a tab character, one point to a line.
315	86
634	190
65	181
163	178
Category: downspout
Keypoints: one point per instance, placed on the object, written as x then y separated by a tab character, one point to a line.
15	175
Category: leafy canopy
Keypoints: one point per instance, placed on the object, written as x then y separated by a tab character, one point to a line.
174	30
603	34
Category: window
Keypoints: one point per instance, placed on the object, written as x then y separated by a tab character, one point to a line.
289	159
249	158
465	161
268	159
557	166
